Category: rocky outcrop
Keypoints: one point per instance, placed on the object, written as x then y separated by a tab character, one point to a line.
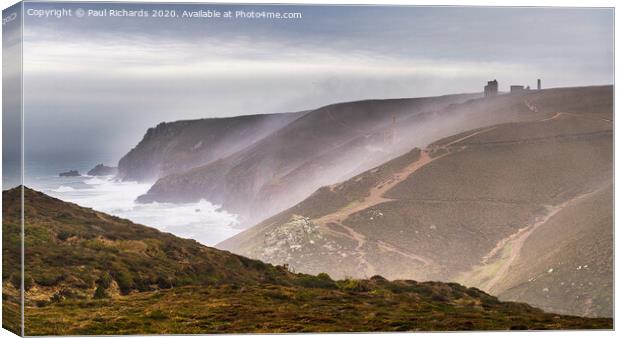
70	173
102	170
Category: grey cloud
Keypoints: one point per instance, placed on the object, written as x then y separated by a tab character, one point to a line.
113	78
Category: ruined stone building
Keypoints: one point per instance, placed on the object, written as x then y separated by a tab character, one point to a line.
491	88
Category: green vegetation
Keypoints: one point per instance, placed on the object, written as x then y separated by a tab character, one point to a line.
100	293
11	267
111	276
385	306
69	247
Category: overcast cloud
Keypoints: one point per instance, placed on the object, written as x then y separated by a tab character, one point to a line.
104	81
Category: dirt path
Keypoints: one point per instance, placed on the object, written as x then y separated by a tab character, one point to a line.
466	137
586	117
533	108
555	116
558	114
389	247
375	197
361	241
518	239
376	193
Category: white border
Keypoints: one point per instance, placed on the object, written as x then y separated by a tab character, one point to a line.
502	3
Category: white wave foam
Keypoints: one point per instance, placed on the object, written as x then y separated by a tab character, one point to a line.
202	221
95	180
62	188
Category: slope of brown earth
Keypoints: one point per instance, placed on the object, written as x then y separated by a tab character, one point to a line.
477	200
566	263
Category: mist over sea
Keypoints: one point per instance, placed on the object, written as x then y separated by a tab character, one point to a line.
203	221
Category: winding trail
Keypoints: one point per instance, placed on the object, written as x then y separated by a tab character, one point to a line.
533	108
376	197
468	136
392	248
558	114
517	239
376	193
555	116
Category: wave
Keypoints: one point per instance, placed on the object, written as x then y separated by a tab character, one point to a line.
63	188
203	221
95	180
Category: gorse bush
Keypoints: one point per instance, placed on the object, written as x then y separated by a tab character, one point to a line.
324	276
157	314
49	278
124	279
105	280
322	281
351	284
100	293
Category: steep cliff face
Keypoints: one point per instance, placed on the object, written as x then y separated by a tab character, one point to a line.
324	146
178	146
102	170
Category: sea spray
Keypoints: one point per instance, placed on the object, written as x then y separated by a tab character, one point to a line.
203	221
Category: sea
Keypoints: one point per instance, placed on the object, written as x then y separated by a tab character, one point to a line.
202	221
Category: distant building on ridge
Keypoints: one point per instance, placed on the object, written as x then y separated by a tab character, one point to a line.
491	88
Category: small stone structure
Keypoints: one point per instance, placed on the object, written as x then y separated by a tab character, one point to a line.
491	88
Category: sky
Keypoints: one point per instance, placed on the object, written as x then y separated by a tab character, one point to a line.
11	98
95	84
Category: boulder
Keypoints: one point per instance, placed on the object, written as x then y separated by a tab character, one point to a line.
102	170
70	173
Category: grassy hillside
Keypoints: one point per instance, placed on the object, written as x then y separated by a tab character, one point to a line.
81	250
469	207
11	263
362	307
91	273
